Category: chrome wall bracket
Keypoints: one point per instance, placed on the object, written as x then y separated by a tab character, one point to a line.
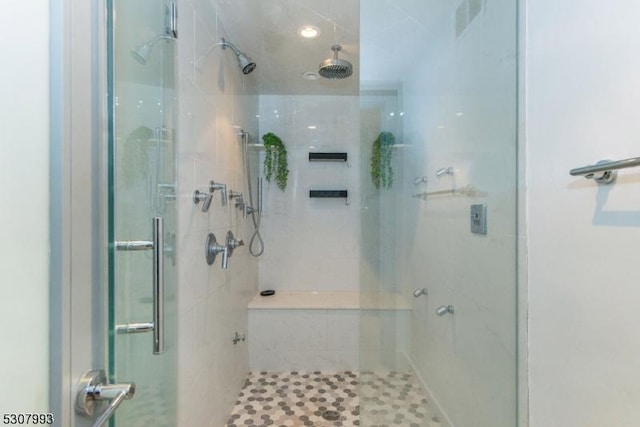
94	387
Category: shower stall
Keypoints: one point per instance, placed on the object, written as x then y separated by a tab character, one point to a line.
391	250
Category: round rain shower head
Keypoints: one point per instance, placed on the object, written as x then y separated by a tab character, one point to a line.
335	68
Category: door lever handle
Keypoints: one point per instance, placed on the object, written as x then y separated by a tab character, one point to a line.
93	387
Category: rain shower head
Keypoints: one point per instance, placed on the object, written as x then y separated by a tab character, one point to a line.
142	52
335	68
244	62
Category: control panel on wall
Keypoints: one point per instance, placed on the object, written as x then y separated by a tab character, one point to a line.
478	217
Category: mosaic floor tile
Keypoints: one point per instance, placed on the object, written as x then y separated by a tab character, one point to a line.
324	399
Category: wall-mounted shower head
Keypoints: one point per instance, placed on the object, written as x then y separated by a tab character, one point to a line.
444	171
142	52
244	62
334	68
420	292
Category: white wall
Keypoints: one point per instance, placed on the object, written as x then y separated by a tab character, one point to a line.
312	244
582	97
215	99
24	216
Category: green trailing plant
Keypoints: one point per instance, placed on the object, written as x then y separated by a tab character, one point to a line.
275	160
381	170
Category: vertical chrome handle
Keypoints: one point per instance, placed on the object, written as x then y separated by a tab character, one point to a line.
172	29
158	285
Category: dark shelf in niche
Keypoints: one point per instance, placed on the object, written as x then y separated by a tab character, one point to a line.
327	157
343	194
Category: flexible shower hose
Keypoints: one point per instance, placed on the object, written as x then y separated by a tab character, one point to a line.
256	237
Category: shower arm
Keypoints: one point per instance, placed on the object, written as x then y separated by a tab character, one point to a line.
224	44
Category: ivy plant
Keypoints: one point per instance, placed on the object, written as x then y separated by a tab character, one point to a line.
381	170
275	160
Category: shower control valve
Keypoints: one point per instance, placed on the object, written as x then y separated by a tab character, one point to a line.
240	203
212	249
213	186
201	196
231	243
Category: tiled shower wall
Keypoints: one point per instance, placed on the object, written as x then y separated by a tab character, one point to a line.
462	114
215	100
317	240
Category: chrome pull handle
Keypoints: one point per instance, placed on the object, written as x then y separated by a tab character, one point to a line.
158	285
93	387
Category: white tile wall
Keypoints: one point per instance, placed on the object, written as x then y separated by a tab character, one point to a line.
214	100
312	244
292	339
461	114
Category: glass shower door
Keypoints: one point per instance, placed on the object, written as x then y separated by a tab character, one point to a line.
438	267
142	208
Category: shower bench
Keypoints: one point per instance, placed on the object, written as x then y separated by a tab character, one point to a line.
310	330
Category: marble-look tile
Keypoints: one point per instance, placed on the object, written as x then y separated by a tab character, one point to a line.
325	398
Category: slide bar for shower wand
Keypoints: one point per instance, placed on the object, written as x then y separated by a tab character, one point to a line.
158	285
605	166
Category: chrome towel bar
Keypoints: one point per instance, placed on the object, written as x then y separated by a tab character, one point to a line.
604	171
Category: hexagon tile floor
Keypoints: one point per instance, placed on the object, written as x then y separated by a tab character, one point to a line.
324	399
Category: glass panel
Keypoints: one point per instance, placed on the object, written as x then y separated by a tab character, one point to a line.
442	80
142	182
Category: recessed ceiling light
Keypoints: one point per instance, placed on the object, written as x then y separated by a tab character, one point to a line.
309	31
311	75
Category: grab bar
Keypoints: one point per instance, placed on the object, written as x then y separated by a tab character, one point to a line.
467	190
158	285
604	170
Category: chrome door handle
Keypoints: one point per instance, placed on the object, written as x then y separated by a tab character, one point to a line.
157	323
93	386
158	285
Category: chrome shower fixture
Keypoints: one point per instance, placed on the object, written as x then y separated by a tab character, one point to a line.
244	62
443	310
213	186
201	196
420	179
142	52
419	292
444	171
334	68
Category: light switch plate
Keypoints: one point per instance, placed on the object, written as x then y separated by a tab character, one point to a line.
478	218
